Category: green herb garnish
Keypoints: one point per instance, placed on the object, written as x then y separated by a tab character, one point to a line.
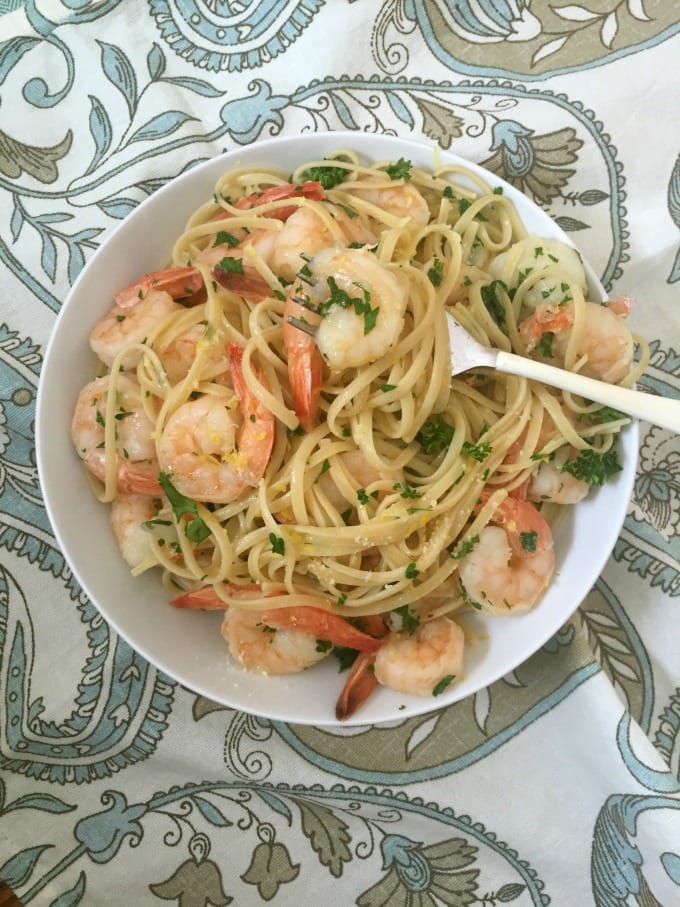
528	540
478	452
401	170
436	272
225	239
593	467
277	543
435	435
194	529
409	619
493	304
231	265
443	684
328	176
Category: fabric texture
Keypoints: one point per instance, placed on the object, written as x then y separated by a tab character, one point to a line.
558	784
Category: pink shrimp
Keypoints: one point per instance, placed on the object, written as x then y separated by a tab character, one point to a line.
210	456
302	618
136	465
527	529
416	664
607	343
312	190
180	283
305	362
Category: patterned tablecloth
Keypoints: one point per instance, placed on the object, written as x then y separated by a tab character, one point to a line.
559	784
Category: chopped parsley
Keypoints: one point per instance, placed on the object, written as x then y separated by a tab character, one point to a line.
465	547
195	529
411	571
362	496
225	239
604	414
323	645
277	543
231	265
325	466
436	272
593	467
463	205
406	490
408	619
528	540
498	190
544	345
341	298
435	435
401	170
493	304
328	176
478	452
122	414
350	212
387	387
346	657
149	524
448	192
443	684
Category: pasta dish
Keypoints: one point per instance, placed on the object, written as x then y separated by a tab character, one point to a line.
277	431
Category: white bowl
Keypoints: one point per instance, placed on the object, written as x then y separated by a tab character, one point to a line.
186	644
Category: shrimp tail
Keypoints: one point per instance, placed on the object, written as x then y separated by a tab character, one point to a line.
311	189
305	373
258	434
250	283
180	283
360	684
527	529
205	598
322	624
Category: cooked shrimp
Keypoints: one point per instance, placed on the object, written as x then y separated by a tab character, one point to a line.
129	514
532	253
400	199
362	474
123	327
363	314
310	189
421	664
551	484
498	581
607	342
210	455
526	527
179	355
179	283
417	664
136	465
305	363
260	647
304	232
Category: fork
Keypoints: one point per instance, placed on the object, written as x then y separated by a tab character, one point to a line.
467	353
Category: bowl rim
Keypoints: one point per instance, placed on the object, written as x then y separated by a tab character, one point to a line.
258	151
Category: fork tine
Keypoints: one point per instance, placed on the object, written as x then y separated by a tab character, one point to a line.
302	325
306	257
305	303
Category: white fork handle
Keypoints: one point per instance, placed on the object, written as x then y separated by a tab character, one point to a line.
658	410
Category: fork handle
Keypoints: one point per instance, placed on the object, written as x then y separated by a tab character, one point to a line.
657	410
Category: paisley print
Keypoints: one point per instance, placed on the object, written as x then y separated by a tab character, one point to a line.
216	35
119	786
534	38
